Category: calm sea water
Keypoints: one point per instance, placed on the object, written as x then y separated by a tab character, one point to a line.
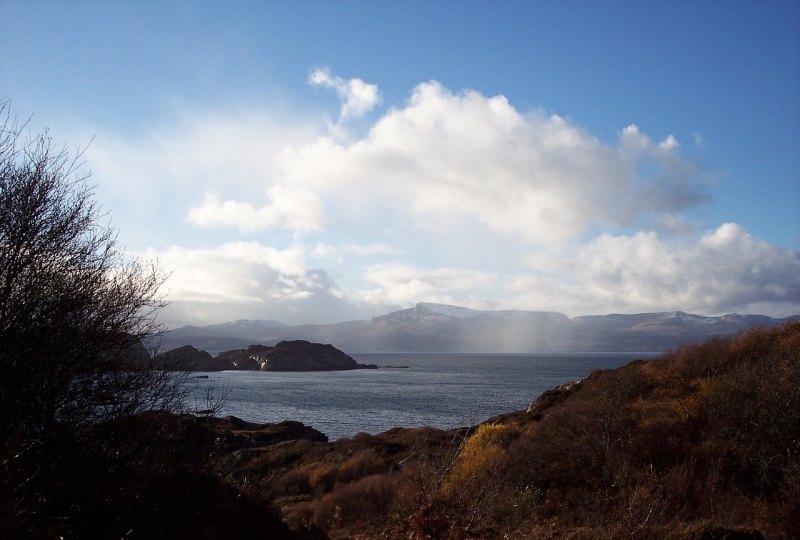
439	390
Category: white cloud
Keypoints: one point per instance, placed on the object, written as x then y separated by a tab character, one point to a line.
372	249
402	284
448	158
669	144
289	208
724	270
634	144
234	272
149	180
439	163
248	280
358	97
200	150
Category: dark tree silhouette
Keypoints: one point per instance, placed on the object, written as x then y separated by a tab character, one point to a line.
77	459
73	308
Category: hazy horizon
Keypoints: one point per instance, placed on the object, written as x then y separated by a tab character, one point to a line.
222	322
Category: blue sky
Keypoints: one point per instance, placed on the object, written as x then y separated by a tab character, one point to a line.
321	161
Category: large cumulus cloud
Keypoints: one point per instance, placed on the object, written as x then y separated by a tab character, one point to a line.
453	197
246	280
723	270
446	158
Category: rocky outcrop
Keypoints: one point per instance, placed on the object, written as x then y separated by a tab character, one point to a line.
190	359
285	356
291	356
551	397
234	433
305	356
250	359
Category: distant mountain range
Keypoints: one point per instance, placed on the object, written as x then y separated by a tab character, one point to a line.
441	328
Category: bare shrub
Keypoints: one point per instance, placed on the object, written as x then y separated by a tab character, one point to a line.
73	308
755	413
364	503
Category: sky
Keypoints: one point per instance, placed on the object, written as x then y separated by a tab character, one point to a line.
315	162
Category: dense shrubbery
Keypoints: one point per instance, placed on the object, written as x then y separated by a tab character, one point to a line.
707	434
146	476
701	443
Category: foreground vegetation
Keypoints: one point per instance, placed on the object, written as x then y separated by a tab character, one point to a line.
697	442
703	442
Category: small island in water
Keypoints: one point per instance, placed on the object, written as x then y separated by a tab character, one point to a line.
295	355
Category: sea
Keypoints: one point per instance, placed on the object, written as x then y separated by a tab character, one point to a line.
441	390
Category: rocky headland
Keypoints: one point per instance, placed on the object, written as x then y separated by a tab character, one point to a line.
188	358
295	355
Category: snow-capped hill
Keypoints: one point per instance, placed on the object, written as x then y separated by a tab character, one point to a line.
250	324
455	312
425	311
439	327
242	328
690	319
